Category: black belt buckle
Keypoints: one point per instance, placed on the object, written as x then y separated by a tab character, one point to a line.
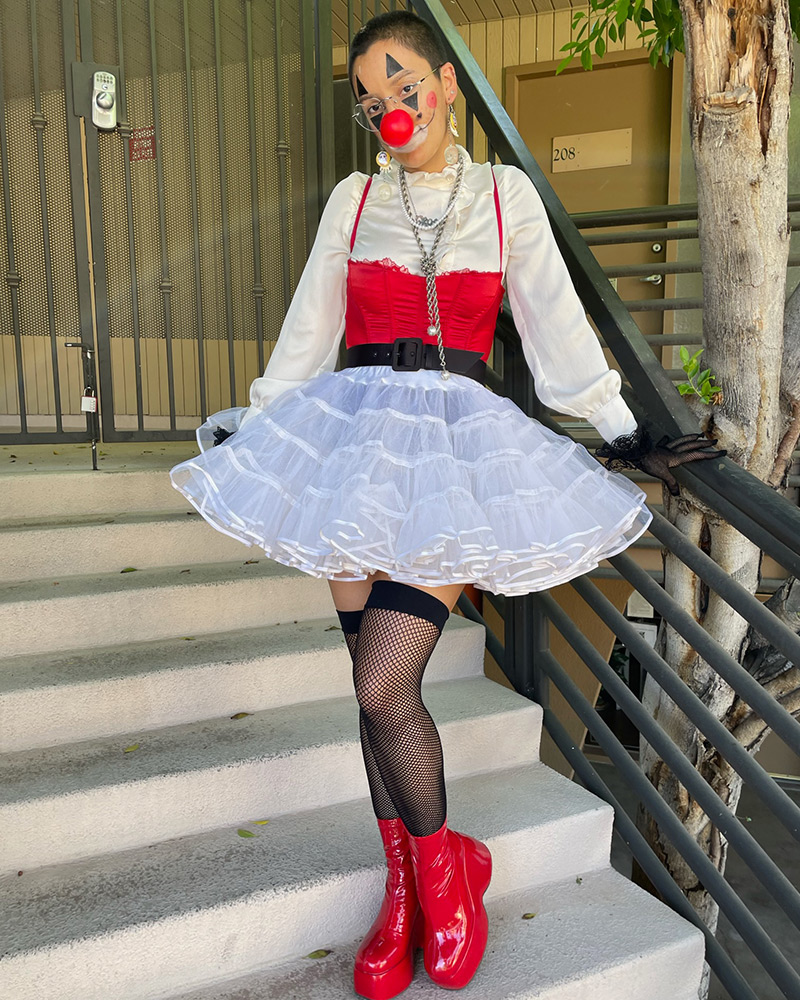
407	354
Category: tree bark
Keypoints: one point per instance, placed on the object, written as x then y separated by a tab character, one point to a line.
740	65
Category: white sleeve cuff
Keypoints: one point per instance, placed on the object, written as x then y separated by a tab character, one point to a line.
613	419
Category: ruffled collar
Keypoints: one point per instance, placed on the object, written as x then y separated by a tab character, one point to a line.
441	179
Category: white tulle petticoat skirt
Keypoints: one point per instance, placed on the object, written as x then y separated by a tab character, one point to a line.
433	481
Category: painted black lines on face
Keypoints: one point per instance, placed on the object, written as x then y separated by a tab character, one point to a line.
393	67
360	88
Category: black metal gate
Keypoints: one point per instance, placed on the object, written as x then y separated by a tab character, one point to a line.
170	244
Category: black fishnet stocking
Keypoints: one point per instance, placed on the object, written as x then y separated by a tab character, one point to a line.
381	800
399	630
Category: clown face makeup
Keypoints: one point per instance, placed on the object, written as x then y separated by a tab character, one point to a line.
389	77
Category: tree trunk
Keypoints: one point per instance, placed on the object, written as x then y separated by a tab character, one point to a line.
739	61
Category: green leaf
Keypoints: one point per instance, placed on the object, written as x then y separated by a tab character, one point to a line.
246	833
612	32
623	10
600	47
684	354
528	916
697	353
131	748
241	715
645	15
564	63
685	389
260	822
692	368
128	569
703	376
319	953
586	59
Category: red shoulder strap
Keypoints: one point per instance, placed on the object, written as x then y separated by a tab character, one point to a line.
499	216
358	213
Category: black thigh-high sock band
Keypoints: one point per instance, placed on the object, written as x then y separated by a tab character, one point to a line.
350	620
393	596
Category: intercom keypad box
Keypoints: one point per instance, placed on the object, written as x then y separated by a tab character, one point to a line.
104	100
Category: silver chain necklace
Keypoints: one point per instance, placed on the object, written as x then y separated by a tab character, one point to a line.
428	258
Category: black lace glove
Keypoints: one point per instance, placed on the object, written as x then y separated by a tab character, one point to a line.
220	435
637	451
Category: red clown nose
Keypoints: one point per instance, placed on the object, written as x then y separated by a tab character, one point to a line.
397	127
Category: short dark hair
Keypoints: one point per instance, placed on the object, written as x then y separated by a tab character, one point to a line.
410	30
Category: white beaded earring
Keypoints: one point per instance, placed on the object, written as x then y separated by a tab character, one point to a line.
384	162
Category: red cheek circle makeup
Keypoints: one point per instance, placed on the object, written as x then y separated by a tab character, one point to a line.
432	102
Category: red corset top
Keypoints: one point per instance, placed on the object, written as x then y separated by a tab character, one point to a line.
385	302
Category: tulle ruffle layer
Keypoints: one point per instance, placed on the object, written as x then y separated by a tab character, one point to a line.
434	481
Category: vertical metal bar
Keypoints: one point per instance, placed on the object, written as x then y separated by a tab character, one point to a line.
311	186
367	135
12	278
87	179
223	188
354	128
258	285
510	639
325	98
39	123
196	259
469	137
283	155
489	151
165	285
536	680
125	130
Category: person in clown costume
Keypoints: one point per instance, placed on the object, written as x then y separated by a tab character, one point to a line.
400	478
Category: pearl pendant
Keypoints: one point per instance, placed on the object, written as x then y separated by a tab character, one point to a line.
384	192
431	331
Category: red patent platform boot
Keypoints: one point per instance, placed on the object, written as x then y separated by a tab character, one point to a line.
453	872
384	963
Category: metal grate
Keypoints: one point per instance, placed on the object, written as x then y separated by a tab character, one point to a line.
40	220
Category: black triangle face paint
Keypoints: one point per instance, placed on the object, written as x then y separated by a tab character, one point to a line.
360	88
392	66
412	102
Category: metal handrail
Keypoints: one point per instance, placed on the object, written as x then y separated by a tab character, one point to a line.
766	518
683	212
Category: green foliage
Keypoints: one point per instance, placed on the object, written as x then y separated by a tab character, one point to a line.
658	23
700	383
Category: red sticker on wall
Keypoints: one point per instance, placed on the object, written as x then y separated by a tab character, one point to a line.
142	144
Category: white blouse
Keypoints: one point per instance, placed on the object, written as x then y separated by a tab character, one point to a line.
562	351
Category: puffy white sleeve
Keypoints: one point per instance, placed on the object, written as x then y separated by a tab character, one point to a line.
312	330
561	348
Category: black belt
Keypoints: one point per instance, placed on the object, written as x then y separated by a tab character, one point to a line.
409	354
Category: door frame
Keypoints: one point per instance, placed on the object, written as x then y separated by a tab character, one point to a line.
511	80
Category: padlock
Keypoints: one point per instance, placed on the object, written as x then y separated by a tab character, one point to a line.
88	400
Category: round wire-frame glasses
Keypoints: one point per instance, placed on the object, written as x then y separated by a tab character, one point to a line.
373	107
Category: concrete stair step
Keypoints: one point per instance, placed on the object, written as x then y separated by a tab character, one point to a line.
68	492
95	610
46	699
160	920
601	937
63	803
45	549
